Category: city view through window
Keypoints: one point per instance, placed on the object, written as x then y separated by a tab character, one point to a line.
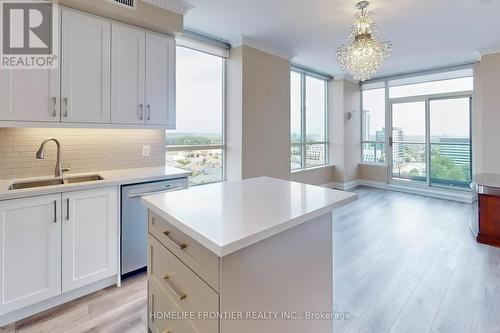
435	141
308	133
197	144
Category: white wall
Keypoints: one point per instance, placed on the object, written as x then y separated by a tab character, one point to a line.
352	131
258	137
266	115
486	115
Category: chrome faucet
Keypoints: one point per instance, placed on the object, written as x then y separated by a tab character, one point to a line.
40	154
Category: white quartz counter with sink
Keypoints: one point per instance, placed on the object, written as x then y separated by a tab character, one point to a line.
109	178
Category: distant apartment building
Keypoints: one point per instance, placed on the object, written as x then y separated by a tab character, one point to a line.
315	152
457	149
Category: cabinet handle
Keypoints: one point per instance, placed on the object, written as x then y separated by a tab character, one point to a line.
54	110
149	112
181	246
179	292
65	107
55	211
67	209
141	111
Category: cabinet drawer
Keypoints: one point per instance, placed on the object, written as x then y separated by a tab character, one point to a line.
160	305
198	258
181	286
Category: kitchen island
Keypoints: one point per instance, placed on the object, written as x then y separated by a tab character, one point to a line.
244	256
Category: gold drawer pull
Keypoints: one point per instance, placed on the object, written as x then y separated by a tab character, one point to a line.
182	246
165	331
179	292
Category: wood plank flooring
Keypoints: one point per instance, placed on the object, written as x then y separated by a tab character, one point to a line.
403	263
406	263
120	310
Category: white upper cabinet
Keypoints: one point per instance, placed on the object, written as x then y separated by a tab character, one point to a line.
89	237
30	251
29	95
109	74
85	68
160	80
128	75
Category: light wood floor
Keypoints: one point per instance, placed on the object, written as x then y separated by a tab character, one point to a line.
403	263
406	263
120	310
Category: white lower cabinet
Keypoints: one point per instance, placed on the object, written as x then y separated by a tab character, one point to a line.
89	237
52	244
30	251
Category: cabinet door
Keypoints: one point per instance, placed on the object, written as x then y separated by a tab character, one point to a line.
86	70
30	251
29	95
128	75
89	237
160	80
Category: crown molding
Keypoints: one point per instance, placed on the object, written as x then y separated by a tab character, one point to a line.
254	44
177	6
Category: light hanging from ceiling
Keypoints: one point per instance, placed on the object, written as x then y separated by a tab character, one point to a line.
364	55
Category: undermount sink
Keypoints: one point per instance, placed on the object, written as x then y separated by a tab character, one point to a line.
55	181
81	179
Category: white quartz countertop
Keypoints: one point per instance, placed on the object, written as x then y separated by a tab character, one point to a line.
226	217
111	178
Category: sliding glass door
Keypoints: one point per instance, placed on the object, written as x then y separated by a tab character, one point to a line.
408	141
430	141
450	141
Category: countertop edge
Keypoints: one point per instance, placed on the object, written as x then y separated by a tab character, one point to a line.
239	244
118	181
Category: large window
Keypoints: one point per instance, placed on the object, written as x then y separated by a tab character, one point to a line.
308	121
429	140
373	126
198	143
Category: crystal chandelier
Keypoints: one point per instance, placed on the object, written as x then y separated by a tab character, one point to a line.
364	55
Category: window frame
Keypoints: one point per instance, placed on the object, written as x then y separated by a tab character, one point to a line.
303	122
223	146
427	143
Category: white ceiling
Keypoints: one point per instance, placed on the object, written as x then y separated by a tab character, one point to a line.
425	33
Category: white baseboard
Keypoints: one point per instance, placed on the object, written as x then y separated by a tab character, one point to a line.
454	195
30	310
342	186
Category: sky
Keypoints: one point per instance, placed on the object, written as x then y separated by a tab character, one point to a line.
315	106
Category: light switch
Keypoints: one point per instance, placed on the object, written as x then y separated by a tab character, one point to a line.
146	151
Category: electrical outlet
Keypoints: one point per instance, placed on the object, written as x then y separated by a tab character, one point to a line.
146	151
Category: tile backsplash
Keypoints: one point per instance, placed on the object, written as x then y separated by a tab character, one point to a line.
83	150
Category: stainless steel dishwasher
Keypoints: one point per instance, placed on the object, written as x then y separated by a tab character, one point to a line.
134	221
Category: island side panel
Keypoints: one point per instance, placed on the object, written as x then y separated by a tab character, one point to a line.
291	272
